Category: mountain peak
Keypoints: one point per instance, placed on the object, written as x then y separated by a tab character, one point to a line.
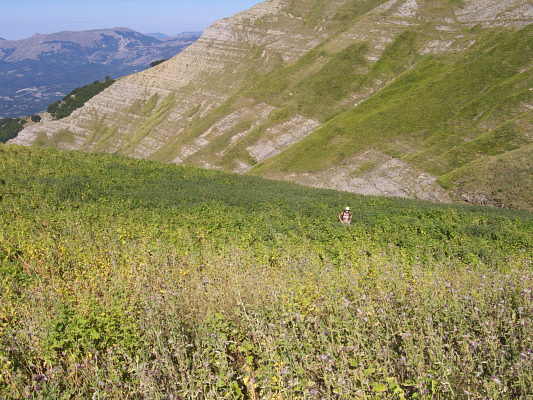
67	42
158	35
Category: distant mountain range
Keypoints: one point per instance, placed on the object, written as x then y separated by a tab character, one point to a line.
37	71
158	35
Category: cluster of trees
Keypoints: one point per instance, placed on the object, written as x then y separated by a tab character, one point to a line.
157	62
10	127
77	98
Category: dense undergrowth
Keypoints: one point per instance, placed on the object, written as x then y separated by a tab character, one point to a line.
128	279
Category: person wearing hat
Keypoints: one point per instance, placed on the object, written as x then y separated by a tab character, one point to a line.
346	217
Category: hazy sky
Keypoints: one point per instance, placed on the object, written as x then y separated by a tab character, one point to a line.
20	19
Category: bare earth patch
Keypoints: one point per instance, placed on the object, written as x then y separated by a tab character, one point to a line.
375	173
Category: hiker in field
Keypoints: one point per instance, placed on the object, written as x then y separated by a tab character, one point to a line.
346	217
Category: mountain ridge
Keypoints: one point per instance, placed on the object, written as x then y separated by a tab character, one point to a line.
40	45
38	70
277	88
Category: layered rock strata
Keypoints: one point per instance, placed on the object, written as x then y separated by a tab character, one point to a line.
196	107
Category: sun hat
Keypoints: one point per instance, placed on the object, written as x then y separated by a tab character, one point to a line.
347	209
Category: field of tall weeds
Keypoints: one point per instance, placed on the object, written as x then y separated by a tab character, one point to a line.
126	279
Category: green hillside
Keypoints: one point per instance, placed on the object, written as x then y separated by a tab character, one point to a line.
439	115
503	180
127	279
404	98
436	112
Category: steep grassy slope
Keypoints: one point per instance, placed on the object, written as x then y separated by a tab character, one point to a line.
438	116
367	96
128	279
501	180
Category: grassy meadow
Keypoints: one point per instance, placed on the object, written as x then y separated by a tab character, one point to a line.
130	279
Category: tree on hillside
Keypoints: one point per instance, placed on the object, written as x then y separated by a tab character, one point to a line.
10	127
154	63
77	98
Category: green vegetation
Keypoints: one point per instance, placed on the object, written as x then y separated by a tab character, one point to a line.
318	83
437	101
155	118
77	98
439	115
353	9
127	279
157	62
148	107
10	127
340	76
502	179
63	136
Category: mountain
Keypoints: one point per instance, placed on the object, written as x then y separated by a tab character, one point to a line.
402	98
36	71
183	36
158	35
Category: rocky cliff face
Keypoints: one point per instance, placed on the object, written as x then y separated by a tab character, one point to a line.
195	82
266	81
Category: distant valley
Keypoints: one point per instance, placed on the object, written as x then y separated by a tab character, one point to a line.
37	71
